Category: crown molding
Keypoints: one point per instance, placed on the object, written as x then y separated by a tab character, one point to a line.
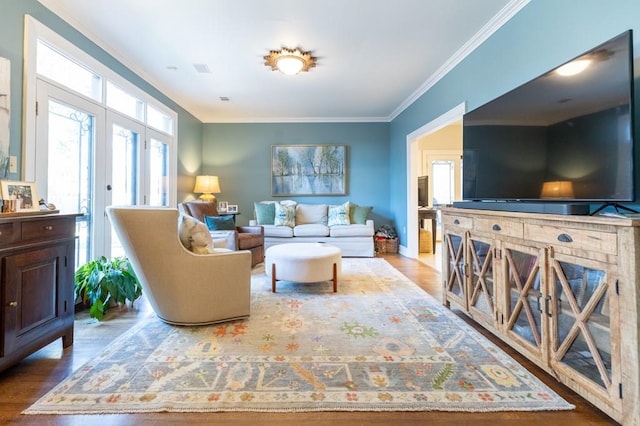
501	18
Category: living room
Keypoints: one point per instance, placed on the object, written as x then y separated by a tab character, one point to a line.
538	37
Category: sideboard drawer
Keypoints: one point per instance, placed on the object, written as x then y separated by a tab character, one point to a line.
458	221
499	226
604	242
47	229
7	234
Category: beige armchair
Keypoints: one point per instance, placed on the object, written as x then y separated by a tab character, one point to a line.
183	288
245	238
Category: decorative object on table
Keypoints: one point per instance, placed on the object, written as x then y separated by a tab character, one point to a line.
24	194
232	208
382	344
308	170
207	186
222	206
5	115
101	282
386	239
44	206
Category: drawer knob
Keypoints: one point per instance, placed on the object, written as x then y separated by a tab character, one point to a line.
496	227
13	304
48	228
456	222
565	238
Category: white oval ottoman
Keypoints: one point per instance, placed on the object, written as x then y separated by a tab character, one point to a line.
303	263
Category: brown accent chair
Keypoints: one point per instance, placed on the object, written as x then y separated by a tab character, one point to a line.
245	238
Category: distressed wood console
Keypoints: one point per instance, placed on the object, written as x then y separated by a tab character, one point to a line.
562	290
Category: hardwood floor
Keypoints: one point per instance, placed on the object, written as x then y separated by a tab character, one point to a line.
22	384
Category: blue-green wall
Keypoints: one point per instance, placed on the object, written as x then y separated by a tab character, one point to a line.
544	34
11	46
240	154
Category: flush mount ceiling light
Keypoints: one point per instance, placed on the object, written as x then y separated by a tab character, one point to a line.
290	61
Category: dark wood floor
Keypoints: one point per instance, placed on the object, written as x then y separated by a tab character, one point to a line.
21	385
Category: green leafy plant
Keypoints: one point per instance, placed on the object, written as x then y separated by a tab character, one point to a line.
101	282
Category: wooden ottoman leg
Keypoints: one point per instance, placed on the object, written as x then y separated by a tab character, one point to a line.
273	277
335	277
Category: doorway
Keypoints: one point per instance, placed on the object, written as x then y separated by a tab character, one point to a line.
415	165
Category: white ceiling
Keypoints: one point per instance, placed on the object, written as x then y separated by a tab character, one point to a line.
375	57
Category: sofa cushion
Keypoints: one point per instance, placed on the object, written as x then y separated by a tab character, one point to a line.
359	214
278	231
285	215
194	235
311	213
311	230
265	213
220	223
339	215
353	230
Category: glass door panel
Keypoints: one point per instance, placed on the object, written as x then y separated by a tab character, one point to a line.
482	293
158	173
71	139
524	317
455	275
583	325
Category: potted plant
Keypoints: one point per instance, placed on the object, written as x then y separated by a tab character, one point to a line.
103	282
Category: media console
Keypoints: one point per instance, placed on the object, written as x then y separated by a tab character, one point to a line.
526	207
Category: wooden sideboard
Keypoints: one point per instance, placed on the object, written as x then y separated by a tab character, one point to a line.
564	291
37	258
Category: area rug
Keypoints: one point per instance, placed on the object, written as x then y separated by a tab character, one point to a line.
379	344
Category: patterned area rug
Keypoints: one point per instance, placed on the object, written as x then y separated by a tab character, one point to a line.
379	344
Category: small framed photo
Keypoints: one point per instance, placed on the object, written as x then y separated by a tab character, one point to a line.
222	206
232	208
25	194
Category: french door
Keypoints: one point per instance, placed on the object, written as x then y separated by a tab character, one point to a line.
89	157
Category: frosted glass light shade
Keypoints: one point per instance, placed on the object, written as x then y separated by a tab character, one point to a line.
290	65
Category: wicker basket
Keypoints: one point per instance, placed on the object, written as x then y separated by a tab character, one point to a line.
386	245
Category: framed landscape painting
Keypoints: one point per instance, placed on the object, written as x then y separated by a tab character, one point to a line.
308	170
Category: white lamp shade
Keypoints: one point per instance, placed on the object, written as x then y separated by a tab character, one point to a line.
290	65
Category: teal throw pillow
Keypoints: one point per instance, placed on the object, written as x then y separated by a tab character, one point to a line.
285	215
359	214
220	223
265	213
339	215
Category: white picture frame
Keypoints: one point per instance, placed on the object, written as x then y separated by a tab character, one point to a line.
222	206
232	208
26	192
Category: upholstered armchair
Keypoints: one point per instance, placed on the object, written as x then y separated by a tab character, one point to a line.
182	287
245	238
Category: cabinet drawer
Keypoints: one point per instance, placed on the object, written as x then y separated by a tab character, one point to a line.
7	236
458	221
499	227
43	230
585	239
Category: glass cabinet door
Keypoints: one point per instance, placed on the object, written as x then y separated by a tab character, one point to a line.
582	321
482	292
524	294
455	270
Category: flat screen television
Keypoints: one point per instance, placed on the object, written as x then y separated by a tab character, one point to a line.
557	138
423	191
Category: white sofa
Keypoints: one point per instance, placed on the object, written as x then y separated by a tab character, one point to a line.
312	223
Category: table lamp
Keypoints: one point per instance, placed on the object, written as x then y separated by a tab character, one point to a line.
207	186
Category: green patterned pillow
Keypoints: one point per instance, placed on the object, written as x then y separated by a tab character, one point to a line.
339	215
285	215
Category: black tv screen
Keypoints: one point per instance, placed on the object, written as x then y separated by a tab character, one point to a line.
557	138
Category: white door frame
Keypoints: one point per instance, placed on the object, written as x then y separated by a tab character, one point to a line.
414	166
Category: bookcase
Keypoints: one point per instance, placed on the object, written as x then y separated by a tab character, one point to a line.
561	290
